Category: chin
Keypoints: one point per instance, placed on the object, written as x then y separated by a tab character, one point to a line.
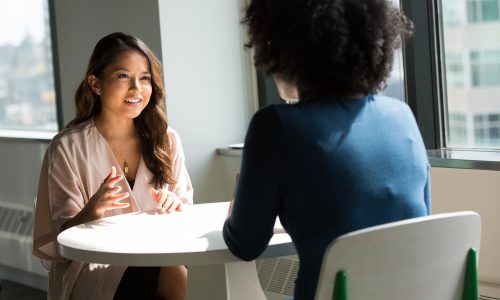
132	115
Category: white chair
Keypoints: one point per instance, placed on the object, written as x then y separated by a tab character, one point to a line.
424	258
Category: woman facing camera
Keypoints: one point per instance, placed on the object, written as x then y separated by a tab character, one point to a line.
341	158
117	156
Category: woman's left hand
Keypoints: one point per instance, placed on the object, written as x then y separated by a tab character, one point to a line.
167	201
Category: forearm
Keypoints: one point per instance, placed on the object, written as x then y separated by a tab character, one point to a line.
84	216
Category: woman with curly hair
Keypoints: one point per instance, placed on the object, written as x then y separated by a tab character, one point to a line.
117	156
341	158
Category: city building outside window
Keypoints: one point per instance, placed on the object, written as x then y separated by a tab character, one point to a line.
27	91
472	66
485	67
454	12
482	10
487	130
458	128
455	73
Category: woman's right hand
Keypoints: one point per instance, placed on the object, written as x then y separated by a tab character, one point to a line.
107	197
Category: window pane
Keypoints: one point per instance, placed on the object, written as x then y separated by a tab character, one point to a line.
455	69
453	13
478	10
485	67
489	10
472	64
471	9
396	81
27	95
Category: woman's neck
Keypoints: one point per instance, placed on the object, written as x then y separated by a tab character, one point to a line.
115	129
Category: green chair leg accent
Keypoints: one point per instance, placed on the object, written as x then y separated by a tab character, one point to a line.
470	281
340	288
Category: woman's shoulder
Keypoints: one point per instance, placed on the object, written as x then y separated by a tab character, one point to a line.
71	136
269	113
174	138
390	101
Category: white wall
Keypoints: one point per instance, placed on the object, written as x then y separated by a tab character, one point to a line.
477	190
208	85
20	163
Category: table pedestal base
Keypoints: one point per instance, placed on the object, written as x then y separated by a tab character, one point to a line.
231	281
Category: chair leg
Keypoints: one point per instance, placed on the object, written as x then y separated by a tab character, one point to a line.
340	287
470	281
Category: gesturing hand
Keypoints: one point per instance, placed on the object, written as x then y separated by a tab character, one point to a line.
167	201
107	197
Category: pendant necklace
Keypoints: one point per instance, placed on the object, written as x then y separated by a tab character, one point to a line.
125	163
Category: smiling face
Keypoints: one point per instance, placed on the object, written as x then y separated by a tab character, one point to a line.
124	86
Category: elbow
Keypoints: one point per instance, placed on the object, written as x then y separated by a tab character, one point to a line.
243	250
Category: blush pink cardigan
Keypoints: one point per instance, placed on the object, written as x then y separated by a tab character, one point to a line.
75	164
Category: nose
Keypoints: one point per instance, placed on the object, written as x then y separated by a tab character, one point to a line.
135	84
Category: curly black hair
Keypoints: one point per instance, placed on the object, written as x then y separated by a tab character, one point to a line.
327	46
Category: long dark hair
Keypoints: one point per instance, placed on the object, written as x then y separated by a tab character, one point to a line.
151	124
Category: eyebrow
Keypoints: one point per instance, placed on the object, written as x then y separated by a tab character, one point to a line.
127	70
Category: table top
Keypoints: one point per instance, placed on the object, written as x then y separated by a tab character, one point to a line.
190	237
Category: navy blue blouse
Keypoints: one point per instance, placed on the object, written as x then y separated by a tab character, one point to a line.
326	167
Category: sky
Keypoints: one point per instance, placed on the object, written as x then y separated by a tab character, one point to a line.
19	17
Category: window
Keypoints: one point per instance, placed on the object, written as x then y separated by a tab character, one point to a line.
482	10
472	72
487	130
458	128
27	90
455	73
396	81
485	67
453	13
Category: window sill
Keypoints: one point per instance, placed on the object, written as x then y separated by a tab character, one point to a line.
229	151
465	159
44	136
442	158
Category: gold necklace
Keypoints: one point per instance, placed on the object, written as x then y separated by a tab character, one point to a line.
125	164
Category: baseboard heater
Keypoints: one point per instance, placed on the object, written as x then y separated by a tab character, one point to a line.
16	261
277	278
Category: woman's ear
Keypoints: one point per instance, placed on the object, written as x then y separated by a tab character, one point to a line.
288	91
94	84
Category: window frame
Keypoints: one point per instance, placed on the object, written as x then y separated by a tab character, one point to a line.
426	90
425	84
41	135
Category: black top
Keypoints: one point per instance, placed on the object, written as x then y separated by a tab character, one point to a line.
131	183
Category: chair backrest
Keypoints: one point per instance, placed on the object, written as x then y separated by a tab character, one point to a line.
414	259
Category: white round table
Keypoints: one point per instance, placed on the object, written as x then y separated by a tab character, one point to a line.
192	237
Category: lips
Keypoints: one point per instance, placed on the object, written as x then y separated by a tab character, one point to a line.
133	100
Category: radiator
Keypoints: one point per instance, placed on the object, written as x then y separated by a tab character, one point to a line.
277	276
16	261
